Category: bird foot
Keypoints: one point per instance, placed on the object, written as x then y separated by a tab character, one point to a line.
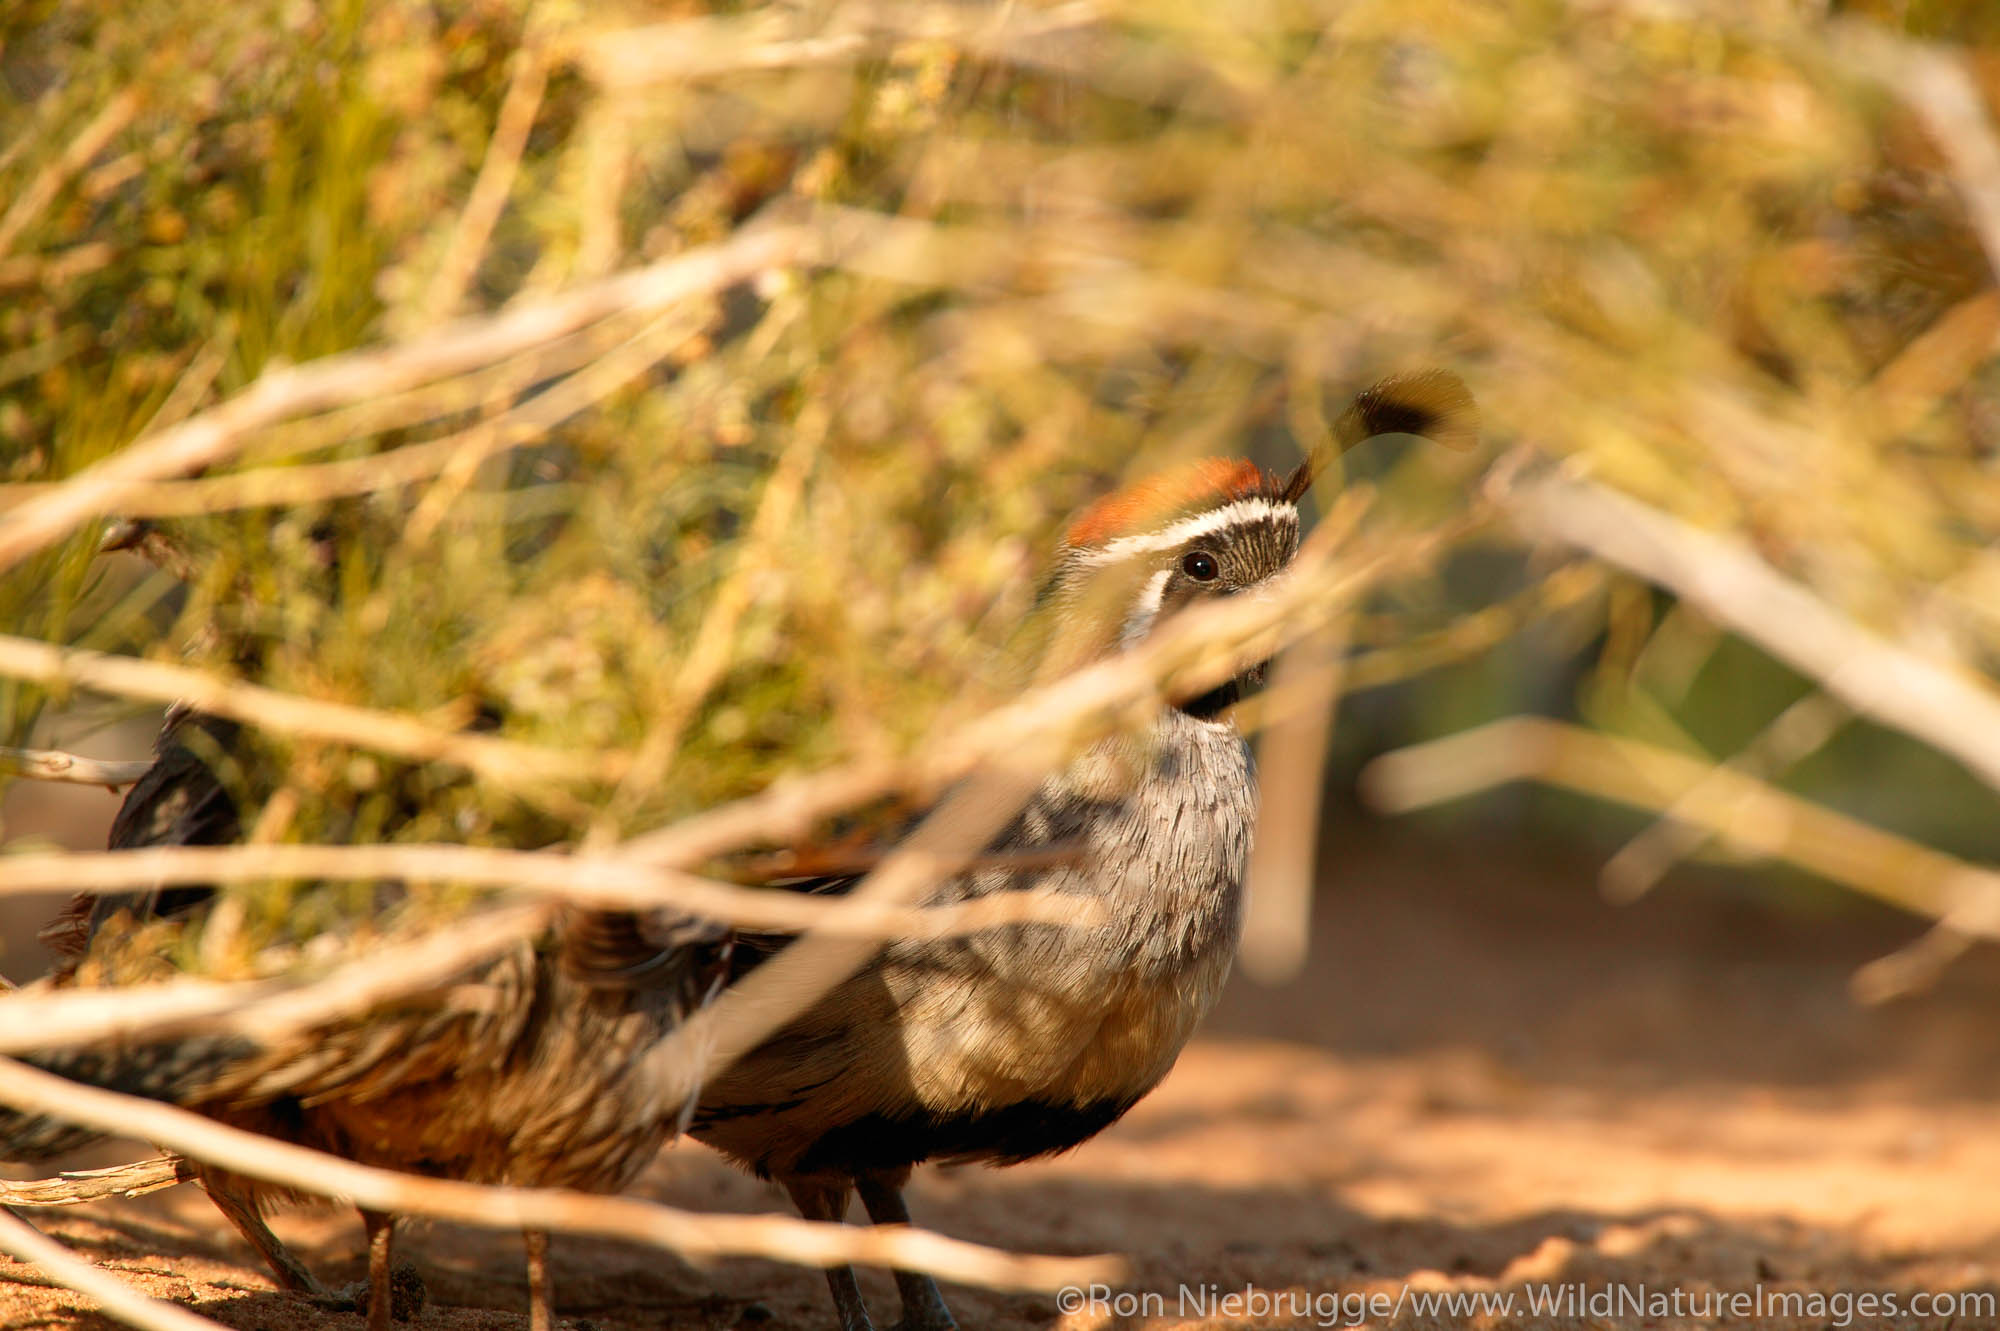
407	1295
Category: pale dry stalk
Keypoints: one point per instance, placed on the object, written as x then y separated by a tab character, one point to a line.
696	1237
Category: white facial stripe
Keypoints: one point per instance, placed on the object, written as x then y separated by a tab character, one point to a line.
1242	511
1148	608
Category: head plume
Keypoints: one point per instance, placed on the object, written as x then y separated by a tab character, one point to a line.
1433	403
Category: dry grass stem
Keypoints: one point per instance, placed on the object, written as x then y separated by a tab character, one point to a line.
495	182
76	155
509	764
337	380
117	1298
1937	703
633	58
1794	734
603	880
69	768
1739	810
1291	764
695	1237
520	424
266	1009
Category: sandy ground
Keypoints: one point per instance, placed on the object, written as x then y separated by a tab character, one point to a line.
1487	1082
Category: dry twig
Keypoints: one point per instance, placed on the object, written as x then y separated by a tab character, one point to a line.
135	1179
1738	809
1291	762
1946	708
69	768
263	1009
30	202
332	381
509	764
696	1237
119	1299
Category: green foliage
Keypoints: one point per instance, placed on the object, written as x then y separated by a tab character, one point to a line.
1687	251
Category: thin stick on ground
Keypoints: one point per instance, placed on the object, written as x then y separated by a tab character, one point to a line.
135	1179
117	1298
70	768
694	1236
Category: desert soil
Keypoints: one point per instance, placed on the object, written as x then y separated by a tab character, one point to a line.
1488	1080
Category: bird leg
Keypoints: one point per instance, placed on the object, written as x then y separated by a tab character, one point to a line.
828	1202
291	1273
381	1228
541	1303
923	1302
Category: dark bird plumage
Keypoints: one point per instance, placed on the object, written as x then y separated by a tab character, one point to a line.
528	1069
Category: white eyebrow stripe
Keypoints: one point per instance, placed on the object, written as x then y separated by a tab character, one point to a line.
1151	597
1242	511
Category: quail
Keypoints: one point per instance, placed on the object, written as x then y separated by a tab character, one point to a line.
532	1073
1027	1040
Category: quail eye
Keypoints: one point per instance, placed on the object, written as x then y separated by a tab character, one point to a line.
1200	565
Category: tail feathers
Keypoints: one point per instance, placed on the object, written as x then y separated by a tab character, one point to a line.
183	1072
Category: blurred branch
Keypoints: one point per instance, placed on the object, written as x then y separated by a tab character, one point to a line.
697	1237
1880	679
117	1298
509	764
601	880
69	768
135	1179
494	183
1800	730
266	1009
1075	40
519	424
90	141
40	1018
1736	808
1291	766
332	381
